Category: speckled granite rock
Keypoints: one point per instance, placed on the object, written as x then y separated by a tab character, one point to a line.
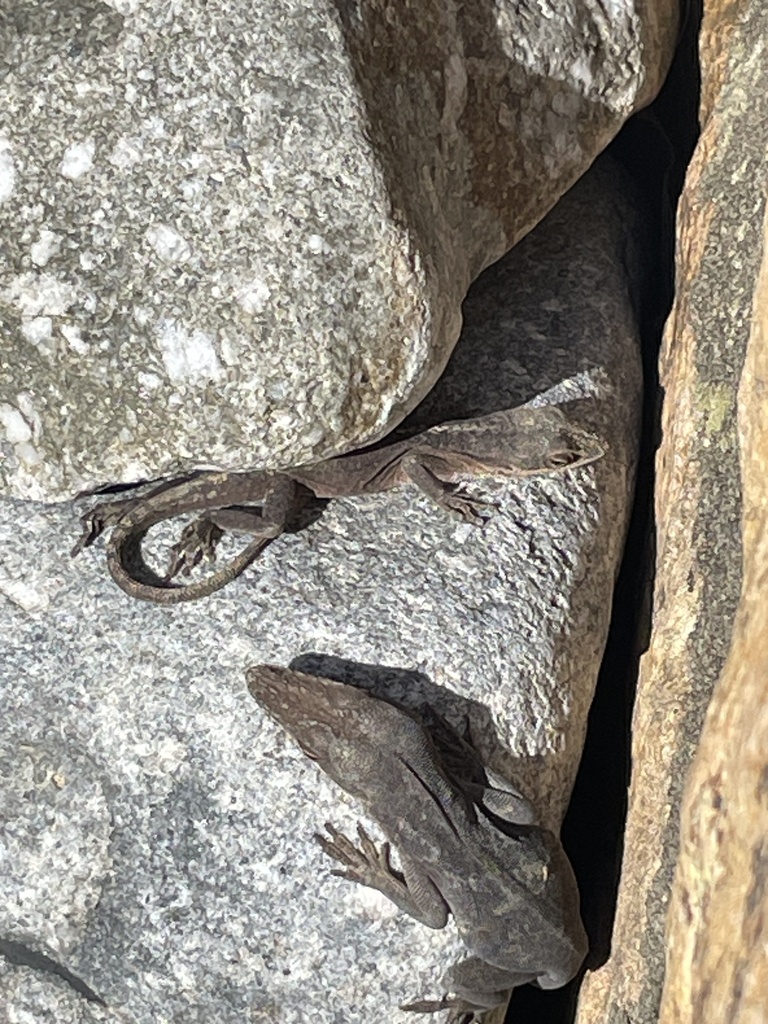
189	888
709	622
28	996
239	234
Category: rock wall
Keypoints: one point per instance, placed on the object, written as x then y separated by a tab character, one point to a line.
708	642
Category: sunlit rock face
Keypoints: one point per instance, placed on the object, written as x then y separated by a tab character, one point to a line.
239	234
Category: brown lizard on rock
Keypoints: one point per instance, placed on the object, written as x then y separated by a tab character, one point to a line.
513	442
465	848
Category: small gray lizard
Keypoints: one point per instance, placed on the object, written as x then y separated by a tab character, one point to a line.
464	847
514	442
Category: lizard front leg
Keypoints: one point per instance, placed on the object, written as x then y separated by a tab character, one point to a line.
516	442
431	474
464	766
412	891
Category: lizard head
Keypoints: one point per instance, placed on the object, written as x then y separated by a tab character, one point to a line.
514	442
339	726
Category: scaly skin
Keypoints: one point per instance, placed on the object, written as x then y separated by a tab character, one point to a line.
505	880
514	442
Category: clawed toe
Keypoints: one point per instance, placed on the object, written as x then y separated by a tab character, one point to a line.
460	1013
472	510
94	522
93	527
197	542
363	865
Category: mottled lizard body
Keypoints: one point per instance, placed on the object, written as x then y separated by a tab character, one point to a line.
514	442
506	880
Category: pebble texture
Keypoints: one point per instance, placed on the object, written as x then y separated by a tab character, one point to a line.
708	638
238	234
159	825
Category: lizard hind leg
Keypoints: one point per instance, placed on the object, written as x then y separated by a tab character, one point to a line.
264	498
461	1011
197	541
481	985
105	514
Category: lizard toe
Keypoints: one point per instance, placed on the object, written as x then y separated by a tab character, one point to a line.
198	540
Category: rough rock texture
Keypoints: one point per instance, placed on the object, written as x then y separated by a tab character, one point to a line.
711	510
239	234
718	924
158	825
32	997
718	935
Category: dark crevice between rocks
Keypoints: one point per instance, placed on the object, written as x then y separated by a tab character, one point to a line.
19	955
655	146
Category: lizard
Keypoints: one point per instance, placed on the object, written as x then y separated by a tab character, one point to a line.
464	847
512	442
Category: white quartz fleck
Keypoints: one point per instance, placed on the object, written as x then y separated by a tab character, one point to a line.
169	245
253	295
124	7
316	243
16	428
150	381
126	152
33	293
73	336
187	355
47	245
28	454
7	170
77	159
37	330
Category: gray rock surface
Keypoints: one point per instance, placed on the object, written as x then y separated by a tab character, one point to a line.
239	234
31	997
157	826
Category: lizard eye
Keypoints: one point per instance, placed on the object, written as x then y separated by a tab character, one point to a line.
316	741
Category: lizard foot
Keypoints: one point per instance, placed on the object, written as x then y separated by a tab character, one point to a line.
461	1011
368	865
197	541
465	506
95	521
